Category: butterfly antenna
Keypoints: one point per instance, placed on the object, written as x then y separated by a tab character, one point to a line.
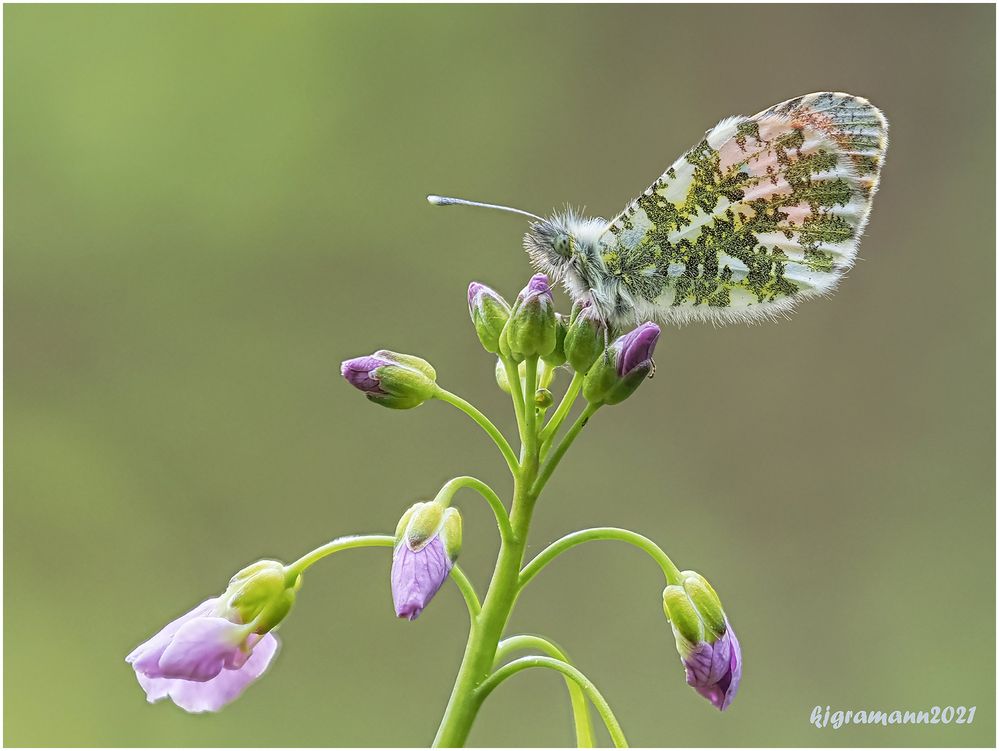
447	201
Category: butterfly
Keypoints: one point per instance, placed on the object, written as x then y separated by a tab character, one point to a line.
763	212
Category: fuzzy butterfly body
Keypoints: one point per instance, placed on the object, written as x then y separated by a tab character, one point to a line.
764	212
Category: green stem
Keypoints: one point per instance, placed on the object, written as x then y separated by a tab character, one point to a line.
483	641
517	394
484	423
293	570
602	707
499	510
568	399
546	556
467	590
560	450
580	709
530	410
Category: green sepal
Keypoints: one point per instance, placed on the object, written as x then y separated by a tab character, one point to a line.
255	589
707	602
489	320
626	386
275	612
557	356
404	521
407	382
424	523
683	616
585	340
450	533
600	379
530	330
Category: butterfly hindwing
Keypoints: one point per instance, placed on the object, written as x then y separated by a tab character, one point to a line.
764	211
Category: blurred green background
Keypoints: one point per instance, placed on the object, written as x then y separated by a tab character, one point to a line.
208	208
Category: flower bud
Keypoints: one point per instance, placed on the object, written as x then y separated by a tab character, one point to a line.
543	399
585	338
557	356
489	312
531	328
391	379
428	540
614	377
708	647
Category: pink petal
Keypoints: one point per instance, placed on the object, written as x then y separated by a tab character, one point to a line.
145	658
201	649
212	695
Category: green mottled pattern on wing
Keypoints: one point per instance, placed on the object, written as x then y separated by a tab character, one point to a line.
762	211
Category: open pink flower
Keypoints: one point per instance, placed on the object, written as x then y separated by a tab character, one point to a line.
201	660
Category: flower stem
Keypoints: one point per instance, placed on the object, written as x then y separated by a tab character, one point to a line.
580	709
523	663
483	422
499	510
546	556
517	394
530	410
568	399
292	570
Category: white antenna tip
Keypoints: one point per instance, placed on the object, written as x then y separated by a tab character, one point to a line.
436	200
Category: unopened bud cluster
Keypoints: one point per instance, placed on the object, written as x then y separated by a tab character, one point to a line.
532	328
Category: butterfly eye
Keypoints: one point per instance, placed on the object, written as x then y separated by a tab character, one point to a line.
562	245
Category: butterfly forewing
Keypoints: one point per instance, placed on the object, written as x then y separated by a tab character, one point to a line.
764	211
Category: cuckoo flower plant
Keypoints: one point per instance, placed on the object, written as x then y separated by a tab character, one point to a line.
209	656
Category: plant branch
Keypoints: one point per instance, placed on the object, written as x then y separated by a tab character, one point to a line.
524	663
499	510
546	556
580	709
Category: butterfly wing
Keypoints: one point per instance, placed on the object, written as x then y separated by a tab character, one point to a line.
763	212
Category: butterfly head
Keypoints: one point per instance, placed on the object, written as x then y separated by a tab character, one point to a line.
563	245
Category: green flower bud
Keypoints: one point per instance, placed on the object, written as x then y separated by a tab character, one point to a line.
391	379
489	312
709	650
260	593
615	376
543	399
428	541
585	337
531	328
